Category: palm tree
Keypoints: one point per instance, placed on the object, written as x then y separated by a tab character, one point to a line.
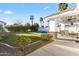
41	21
31	18
63	6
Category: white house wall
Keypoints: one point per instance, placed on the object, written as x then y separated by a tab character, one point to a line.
52	26
62	27
72	29
77	6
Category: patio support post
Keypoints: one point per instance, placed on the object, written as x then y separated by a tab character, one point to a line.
53	28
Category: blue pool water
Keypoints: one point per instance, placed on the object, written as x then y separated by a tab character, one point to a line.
40	32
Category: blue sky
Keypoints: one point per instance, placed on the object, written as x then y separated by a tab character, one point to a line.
14	12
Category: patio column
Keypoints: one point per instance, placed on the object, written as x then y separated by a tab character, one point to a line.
77	6
53	28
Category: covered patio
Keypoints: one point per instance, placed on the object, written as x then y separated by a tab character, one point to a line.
64	23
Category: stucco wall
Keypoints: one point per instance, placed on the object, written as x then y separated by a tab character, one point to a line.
72	29
52	26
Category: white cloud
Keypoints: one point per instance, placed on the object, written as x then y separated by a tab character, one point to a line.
46	8
8	12
5	18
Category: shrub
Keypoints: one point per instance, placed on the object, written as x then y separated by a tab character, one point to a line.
8	36
14	40
22	28
2	33
47	37
22	41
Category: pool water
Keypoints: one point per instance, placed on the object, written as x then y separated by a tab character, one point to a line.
40	32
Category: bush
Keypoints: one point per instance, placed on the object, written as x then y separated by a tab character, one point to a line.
23	41
2	33
9	38
47	37
14	40
22	28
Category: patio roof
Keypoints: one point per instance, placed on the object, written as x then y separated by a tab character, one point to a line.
62	14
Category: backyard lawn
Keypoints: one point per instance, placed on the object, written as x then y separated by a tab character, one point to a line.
28	34
24	43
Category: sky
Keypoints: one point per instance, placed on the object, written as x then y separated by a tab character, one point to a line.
14	12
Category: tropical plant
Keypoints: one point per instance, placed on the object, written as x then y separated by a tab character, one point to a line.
31	18
41	21
27	26
63	6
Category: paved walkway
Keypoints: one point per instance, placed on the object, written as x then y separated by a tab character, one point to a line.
63	37
58	48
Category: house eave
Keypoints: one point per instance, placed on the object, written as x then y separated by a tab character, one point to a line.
71	11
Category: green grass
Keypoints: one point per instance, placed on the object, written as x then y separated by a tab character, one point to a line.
28	34
11	38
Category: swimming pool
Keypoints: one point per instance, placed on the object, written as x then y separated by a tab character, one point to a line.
40	32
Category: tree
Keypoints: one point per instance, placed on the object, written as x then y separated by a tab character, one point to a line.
23	28
15	27
18	22
31	18
41	21
34	27
27	26
63	6
11	28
